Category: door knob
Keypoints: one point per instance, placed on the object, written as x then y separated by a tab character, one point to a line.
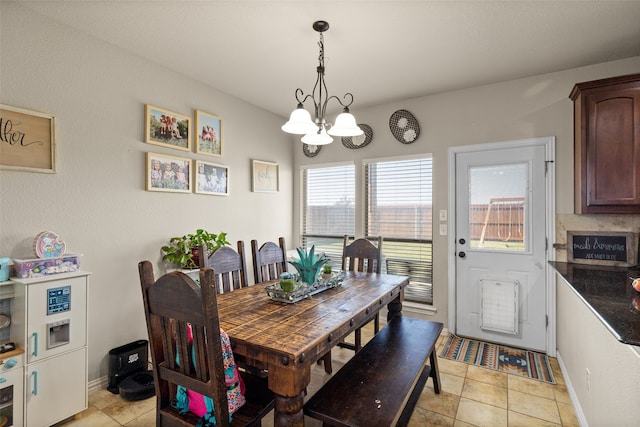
462	254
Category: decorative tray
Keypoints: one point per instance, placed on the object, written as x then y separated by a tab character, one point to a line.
303	291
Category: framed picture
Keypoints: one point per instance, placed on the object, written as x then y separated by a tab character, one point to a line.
27	140
265	176
208	134
166	128
168	173
211	178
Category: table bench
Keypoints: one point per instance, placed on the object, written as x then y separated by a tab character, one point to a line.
381	384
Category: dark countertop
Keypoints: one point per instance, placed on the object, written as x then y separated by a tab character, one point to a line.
607	291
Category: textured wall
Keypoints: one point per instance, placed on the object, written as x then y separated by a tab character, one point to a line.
97	201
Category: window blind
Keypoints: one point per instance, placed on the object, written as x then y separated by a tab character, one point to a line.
398	199
328	208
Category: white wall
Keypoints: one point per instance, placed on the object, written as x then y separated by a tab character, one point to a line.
97	200
527	108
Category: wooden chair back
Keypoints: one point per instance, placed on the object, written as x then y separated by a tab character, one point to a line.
229	267
172	303
362	255
269	260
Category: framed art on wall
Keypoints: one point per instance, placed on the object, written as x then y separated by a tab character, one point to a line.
168	173
208	134
265	176
166	128
27	140
211	178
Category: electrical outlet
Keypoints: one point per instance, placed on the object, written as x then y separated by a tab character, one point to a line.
588	380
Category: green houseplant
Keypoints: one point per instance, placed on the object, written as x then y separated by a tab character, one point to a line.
183	251
309	264
327	271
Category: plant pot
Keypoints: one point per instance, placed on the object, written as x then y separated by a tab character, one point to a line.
196	256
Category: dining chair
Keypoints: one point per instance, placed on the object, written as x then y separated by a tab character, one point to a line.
269	260
229	266
362	255
186	350
230	273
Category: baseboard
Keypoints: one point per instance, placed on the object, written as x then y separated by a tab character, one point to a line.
418	309
572	393
98	384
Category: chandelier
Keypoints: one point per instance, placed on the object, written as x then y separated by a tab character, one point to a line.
319	132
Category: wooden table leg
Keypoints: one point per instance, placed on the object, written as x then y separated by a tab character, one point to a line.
289	411
394	308
435	373
289	384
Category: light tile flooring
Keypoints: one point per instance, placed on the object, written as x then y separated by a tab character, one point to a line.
470	396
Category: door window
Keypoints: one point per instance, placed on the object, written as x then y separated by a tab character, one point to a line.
497	207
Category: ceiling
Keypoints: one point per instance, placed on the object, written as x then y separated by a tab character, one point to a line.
381	51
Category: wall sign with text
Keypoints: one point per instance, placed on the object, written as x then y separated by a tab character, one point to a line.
603	248
27	140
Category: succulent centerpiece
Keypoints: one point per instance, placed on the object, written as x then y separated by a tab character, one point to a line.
309	265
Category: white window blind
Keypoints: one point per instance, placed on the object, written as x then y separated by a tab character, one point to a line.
328	208
398	196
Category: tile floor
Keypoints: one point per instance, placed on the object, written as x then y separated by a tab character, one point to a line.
470	396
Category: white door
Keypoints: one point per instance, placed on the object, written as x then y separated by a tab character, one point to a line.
500	238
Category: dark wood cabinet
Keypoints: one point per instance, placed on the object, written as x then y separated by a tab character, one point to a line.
607	145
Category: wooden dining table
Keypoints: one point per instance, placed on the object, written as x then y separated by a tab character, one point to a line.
288	338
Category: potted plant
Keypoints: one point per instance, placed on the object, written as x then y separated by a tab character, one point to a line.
183	251
309	265
327	271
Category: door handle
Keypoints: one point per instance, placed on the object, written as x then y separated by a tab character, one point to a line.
34	353
462	254
35	383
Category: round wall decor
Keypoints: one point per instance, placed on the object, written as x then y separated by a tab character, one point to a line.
311	150
359	141
404	126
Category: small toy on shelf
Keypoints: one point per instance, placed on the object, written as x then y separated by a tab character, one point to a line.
48	244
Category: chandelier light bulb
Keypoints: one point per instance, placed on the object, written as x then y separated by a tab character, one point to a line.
300	122
345	126
317	138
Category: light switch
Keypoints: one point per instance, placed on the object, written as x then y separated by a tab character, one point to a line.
443	229
443	215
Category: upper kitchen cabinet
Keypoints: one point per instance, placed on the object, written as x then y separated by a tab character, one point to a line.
607	145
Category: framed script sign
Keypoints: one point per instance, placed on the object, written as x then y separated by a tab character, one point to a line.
618	249
27	140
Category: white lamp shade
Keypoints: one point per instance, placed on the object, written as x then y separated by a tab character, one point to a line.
345	125
300	123
316	138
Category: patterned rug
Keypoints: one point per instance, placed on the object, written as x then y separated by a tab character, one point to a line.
499	358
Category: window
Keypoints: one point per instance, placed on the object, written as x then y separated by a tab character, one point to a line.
328	204
397	206
398	199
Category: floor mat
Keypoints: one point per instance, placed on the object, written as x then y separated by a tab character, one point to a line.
499	358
